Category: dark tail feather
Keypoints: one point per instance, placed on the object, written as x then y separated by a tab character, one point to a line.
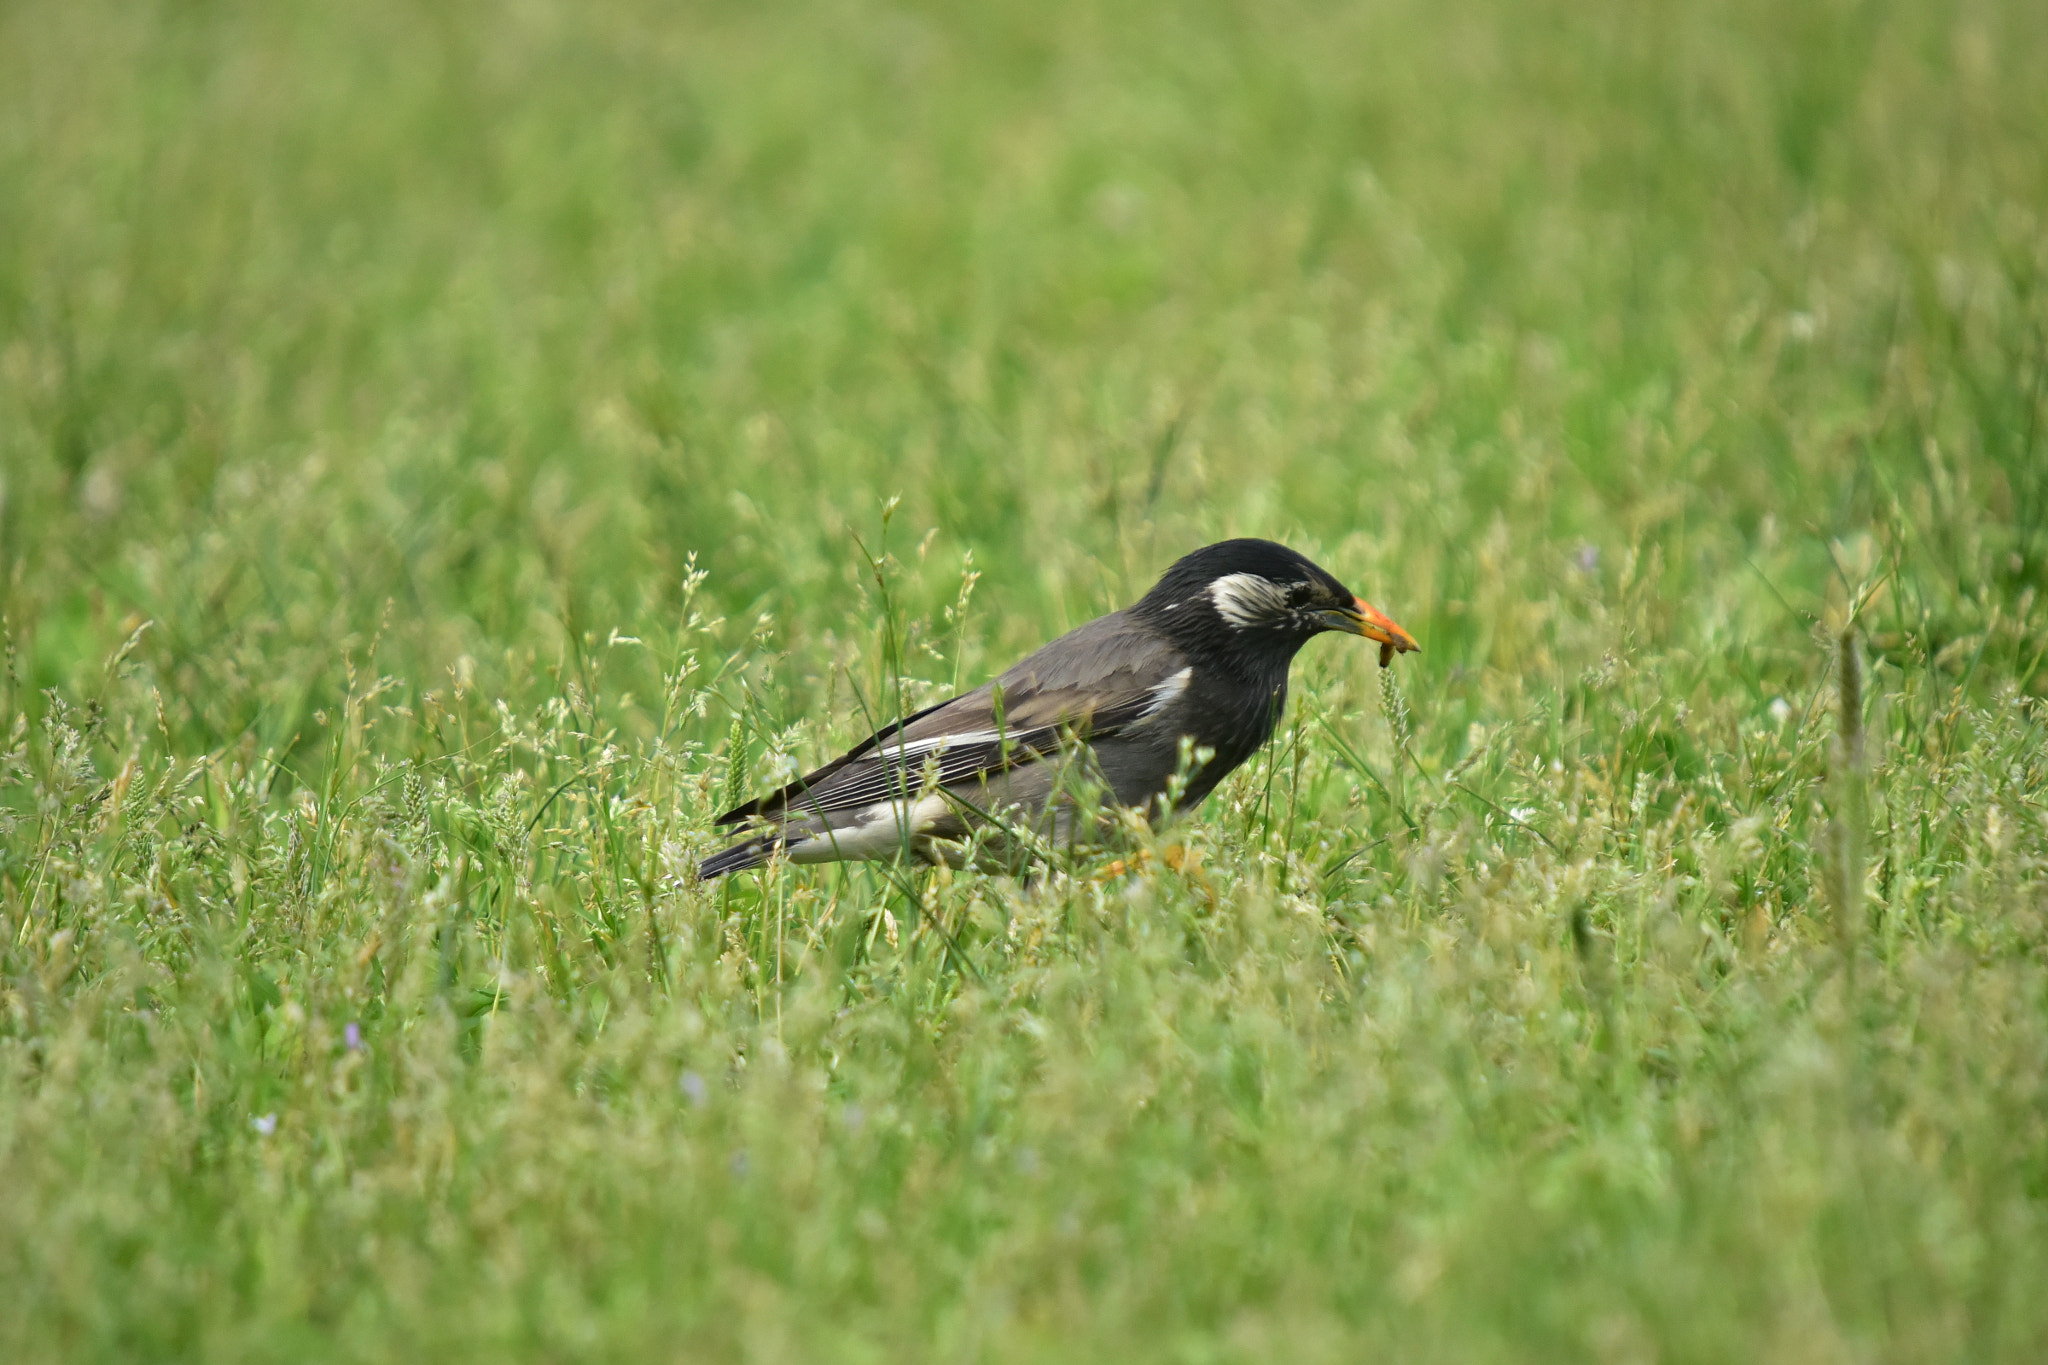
745	854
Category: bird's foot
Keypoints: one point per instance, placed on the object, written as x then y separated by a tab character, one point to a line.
1182	859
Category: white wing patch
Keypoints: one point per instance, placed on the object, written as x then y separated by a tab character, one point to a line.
941	743
1245	599
883	830
1164	693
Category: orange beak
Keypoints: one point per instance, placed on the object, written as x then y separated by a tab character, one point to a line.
1362	618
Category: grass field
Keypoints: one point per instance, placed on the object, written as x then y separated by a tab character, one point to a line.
451	450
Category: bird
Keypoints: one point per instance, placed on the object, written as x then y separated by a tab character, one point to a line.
1148	707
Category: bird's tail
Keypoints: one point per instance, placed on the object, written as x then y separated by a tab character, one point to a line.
749	852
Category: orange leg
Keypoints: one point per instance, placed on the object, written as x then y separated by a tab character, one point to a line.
1182	859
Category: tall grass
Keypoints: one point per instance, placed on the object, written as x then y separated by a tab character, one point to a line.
449	453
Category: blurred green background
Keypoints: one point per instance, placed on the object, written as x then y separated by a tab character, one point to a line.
501	313
440	451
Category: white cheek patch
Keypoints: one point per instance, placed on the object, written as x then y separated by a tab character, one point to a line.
1245	599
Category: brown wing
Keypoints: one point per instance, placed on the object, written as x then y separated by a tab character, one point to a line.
1092	683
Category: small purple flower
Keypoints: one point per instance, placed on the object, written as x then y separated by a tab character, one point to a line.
694	1089
264	1124
352	1036
1589	558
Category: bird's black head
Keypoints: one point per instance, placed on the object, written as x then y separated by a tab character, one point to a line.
1258	601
